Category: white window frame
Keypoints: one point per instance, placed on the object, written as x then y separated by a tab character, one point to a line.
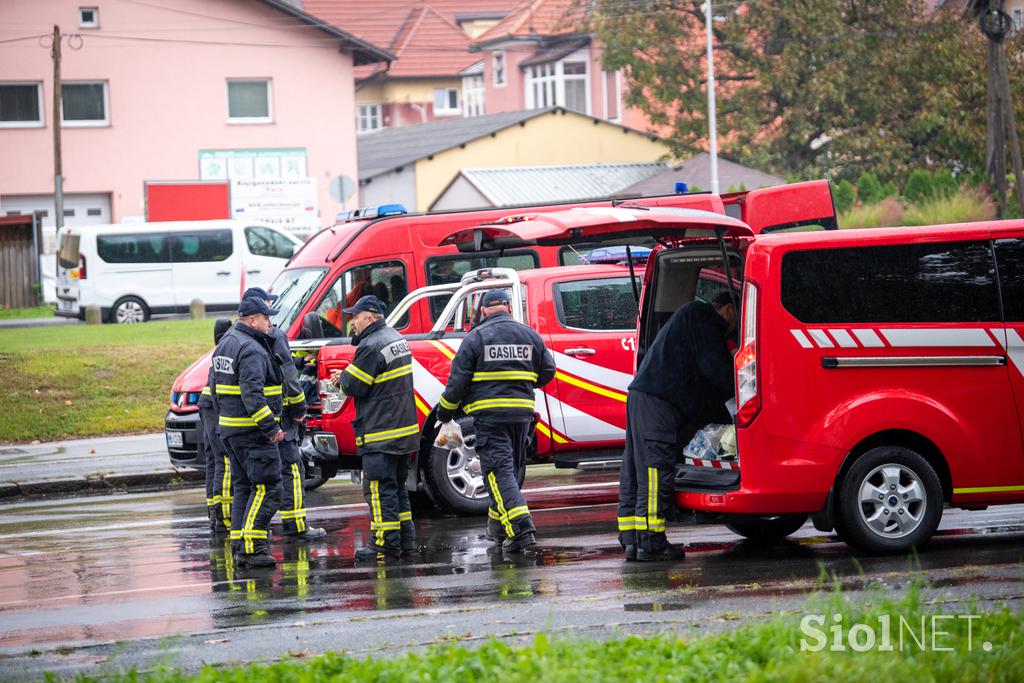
551	76
448	111
1018	18
95	23
618	94
495	57
98	123
474	96
248	120
41	123
360	116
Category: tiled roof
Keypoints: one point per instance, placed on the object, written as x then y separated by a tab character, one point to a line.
537	19
544	184
696	172
423	34
364	51
390	148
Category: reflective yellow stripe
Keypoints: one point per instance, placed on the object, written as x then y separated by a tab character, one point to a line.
442	348
262	413
518	512
504	375
294	400
448	405
254	533
213	502
601	391
989	489
299	511
550	433
502	514
398	433
206	391
405	516
229	389
632	523
423	407
275	390
393	374
358	374
225	421
385	526
225	498
493	514
250	519
652	500
293	514
486	403
236	535
375	511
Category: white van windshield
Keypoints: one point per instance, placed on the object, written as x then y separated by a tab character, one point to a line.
293	288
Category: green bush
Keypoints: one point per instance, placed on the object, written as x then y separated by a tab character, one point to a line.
945	184
920	187
890	190
869	190
843	195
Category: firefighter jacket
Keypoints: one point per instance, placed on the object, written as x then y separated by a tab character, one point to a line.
206	398
294	399
247	383
494	374
380	380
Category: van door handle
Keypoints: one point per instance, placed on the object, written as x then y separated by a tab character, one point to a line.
223	272
254	272
580	352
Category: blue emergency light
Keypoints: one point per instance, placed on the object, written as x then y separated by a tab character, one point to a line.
681	188
366	212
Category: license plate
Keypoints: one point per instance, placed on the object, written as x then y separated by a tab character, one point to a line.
66	305
175	440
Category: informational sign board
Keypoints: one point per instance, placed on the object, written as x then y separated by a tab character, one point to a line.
288	204
187	200
247	164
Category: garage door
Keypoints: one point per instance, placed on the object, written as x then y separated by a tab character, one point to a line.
79	209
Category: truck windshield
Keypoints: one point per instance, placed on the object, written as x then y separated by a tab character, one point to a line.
293	288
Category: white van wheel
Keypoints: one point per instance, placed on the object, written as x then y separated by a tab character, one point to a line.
129	310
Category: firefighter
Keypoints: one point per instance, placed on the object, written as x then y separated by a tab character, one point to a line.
386	427
493	377
248	393
218	469
682	384
293	508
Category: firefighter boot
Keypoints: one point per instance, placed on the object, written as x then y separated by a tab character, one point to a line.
258	559
519	543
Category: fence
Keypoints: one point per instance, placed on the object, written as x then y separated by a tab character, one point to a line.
19	262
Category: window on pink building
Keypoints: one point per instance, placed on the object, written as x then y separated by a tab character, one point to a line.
249	101
498	67
611	90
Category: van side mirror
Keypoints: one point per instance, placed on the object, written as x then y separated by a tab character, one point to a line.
311	327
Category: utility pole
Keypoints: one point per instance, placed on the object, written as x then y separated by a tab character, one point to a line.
58	164
712	114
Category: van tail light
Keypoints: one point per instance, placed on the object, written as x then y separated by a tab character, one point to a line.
332	399
748	400
81	266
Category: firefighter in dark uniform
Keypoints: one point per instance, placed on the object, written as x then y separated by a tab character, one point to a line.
218	469
249	397
293	508
494	374
682	384
386	426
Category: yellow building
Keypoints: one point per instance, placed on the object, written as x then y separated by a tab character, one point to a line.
413	165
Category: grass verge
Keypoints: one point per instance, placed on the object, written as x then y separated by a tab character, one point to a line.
92	380
963	207
764	651
21	313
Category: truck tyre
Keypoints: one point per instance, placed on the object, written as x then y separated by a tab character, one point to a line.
766	529
319	475
890	501
455	482
129	310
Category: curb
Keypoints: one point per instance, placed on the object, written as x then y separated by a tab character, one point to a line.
114	482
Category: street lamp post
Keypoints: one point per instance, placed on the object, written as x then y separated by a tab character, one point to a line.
712	115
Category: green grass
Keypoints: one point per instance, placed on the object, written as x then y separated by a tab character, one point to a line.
963	207
92	380
20	313
763	651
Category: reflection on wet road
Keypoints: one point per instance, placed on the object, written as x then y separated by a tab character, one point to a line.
109	579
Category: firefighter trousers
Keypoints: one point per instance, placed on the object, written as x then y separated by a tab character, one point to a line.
502	448
647	474
218	471
293	502
256	483
391	524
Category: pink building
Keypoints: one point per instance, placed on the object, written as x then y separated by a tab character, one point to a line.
541	55
254	90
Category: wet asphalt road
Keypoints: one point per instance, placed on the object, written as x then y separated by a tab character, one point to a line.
96	584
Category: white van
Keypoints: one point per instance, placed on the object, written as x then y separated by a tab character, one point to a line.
135	270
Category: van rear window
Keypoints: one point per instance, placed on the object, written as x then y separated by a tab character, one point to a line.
906	283
67	252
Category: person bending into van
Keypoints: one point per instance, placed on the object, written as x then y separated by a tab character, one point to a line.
493	377
293	508
218	469
248	389
386	426
682	384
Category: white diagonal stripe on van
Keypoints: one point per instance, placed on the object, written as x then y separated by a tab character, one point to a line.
869	339
1015	349
802	339
581	426
427	386
938	337
843	338
821	339
591	372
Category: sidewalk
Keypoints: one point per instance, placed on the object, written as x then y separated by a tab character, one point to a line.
38	322
102	463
